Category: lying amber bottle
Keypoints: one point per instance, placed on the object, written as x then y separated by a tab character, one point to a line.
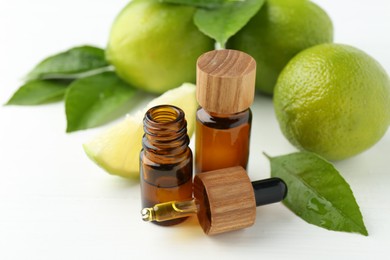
165	158
225	90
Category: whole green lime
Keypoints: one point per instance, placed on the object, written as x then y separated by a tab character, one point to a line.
333	100
154	46
280	30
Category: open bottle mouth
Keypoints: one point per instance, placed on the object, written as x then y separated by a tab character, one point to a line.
165	121
164	114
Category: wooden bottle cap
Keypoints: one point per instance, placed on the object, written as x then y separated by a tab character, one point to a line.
226	200
225	81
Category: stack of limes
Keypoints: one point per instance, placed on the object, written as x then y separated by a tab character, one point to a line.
330	99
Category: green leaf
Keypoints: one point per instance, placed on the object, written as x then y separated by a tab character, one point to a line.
95	100
318	193
201	3
223	22
39	92
70	63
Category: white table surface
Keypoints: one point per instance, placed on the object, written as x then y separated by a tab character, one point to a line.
56	204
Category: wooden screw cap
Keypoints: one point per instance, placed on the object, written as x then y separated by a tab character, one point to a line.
226	200
225	81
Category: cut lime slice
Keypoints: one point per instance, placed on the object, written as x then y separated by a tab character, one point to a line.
117	150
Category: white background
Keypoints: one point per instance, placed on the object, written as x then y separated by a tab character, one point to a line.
56	204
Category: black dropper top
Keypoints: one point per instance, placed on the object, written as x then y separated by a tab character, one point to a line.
269	191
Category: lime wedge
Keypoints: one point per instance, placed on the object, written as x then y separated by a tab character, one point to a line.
117	149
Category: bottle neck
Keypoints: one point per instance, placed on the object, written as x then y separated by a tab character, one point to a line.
165	130
232	115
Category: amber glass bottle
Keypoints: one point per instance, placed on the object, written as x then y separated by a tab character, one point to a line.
166	159
225	91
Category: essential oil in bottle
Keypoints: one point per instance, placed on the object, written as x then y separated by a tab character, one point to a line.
225	90
165	158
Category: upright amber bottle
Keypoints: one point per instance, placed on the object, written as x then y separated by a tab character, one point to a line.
166	159
225	90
